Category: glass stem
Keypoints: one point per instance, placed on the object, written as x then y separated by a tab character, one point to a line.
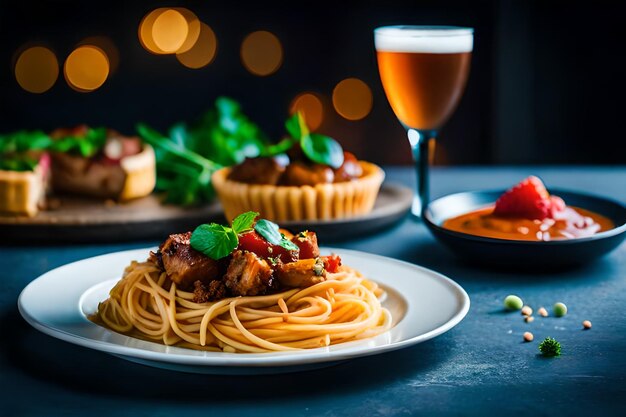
419	144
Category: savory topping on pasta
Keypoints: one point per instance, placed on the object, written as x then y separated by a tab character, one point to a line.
247	287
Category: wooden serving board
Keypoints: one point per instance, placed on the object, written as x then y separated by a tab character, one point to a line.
75	219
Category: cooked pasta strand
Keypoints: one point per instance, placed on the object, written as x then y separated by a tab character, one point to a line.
147	304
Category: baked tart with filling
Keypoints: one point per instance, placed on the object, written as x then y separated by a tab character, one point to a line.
306	176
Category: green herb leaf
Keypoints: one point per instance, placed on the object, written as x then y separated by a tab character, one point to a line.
214	240
322	149
296	126
23	141
550	347
85	146
179	134
287	244
269	230
244	221
184	175
279	148
17	163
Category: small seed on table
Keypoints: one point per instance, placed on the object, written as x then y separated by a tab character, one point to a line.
513	302
529	319
559	309
528	337
527	311
542	312
586	324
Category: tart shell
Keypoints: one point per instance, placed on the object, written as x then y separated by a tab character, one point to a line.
291	203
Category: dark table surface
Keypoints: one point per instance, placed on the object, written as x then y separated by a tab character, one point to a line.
481	367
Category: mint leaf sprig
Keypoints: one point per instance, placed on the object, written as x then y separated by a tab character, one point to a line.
217	241
269	230
318	148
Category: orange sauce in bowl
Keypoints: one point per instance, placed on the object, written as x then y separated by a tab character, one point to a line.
571	223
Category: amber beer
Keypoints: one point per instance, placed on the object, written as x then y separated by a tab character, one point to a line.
423	72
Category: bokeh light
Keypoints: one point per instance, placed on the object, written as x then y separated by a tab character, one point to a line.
202	52
169	31
36	69
352	99
261	53
86	68
193	29
109	48
311	107
145	31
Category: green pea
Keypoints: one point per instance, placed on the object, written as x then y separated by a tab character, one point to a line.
559	309
513	302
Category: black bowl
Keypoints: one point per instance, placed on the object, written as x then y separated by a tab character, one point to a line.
519	253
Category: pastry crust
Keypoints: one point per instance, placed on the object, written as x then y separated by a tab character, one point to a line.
285	203
21	192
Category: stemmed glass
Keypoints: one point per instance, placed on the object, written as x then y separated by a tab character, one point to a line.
423	70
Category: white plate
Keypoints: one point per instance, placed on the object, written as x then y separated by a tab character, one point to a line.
423	303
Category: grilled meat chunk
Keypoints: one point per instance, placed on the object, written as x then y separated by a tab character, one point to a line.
157	259
299	173
214	290
349	170
257	171
185	265
248	274
302	273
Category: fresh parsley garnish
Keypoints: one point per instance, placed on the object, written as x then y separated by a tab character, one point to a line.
183	174
17	163
217	241
18	150
23	141
86	145
189	154
550	347
269	230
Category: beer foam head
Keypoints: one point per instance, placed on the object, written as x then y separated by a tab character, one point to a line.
424	39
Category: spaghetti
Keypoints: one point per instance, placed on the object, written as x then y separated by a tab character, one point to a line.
145	303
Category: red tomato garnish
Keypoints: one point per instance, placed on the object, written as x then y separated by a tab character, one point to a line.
255	243
307	242
332	263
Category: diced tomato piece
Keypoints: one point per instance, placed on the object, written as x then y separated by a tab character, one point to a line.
255	243
331	263
307	242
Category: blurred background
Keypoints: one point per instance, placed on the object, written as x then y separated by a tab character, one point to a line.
546	84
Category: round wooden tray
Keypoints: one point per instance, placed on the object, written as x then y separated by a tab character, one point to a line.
87	220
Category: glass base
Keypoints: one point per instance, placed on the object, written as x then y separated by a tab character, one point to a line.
416	207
